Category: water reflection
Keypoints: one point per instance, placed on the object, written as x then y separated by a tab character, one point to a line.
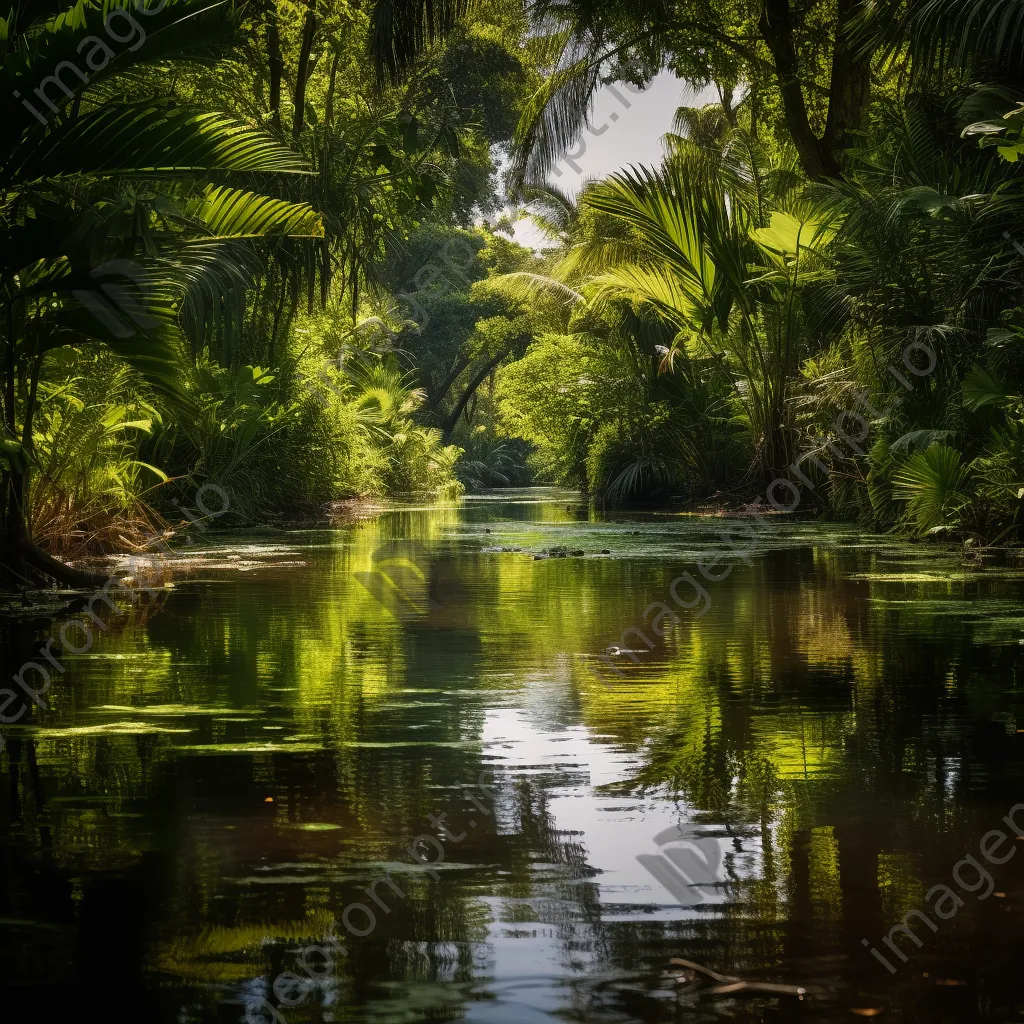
215	783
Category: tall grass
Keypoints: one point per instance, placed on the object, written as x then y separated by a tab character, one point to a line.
91	492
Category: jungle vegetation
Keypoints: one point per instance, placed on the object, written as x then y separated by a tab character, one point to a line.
269	244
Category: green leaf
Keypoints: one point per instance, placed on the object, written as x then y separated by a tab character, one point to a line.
161	475
981	388
787	234
14	454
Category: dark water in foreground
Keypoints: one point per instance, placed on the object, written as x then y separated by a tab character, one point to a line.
221	778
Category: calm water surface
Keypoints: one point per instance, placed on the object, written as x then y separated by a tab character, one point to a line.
190	830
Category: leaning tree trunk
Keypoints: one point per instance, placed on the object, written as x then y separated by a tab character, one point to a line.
19	554
13	530
452	419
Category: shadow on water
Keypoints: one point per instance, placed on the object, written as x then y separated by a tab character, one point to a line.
371	774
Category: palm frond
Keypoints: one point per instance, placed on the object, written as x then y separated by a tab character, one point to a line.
933	483
593	256
706	126
685	225
551	209
581	40
981	388
554	117
653	286
150	345
47	62
235	213
919	439
977	34
151	139
527	287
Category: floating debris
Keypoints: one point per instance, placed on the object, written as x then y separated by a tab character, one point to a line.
729	984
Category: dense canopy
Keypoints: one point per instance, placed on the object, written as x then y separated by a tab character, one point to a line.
271	245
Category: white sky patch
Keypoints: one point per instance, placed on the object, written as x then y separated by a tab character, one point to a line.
612	829
619	136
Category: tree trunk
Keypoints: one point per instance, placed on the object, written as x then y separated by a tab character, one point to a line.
725	94
448	383
303	72
329	105
276	68
777	28
61	572
12	530
849	87
453	417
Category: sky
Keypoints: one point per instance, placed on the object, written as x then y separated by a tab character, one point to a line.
627	129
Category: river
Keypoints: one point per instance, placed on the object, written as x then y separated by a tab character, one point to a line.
379	774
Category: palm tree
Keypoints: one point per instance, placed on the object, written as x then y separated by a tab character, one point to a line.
702	247
115	216
720	247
